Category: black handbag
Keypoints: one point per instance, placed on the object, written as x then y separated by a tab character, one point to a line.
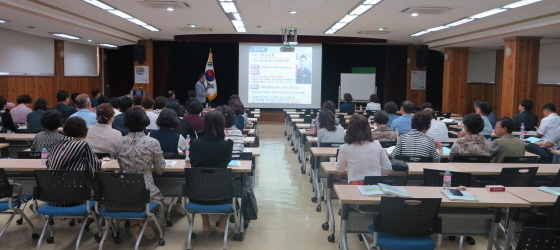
250	208
399	165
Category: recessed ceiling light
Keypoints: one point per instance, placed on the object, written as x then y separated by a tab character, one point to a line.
414	14
108	45
383	28
4	21
192	25
293	12
170	9
89	40
65	35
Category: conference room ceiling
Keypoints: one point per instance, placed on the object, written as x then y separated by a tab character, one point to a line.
314	17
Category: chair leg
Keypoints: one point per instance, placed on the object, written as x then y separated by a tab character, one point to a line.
20	211
141	234
8	222
108	224
43	232
191	224
82	231
168	214
226	232
461	239
153	217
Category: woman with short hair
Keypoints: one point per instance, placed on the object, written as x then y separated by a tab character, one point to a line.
374	103
197	121
101	137
231	132
51	120
348	106
472	143
159	104
239	111
382	132
391	108
328	130
361	155
416	142
34	118
20	112
168	139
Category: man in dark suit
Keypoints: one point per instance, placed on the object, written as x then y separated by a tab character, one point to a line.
171	96
525	116
63	99
95	93
303	74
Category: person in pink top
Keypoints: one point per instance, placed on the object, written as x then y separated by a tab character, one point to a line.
20	112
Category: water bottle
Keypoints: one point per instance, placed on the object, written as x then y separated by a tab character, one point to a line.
312	126
522	134
188	140
206	105
360	107
44	156
446	180
369	120
187	158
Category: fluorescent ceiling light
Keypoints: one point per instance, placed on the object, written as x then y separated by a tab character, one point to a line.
361	9
170	9
348	18
420	33
438	28
488	13
192	25
150	28
372	2
237	23
4	73
120	14
414	14
338	26
293	12
459	22
229	7
520	3
89	40
237	16
3	21
99	4
240	29
331	31
108	45
136	21
65	36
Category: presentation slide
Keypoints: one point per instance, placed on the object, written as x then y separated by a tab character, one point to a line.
272	78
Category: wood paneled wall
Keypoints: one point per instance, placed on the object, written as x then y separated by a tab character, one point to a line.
148	88
47	86
455	90
417	96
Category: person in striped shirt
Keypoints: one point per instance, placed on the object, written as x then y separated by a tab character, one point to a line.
230	130
416	142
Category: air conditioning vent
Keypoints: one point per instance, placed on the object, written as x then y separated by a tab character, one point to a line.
163	4
190	29
427	10
374	32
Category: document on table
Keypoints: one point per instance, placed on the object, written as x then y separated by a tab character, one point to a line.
170	164
533	139
550	190
466	196
372	190
235	163
396	191
446	150
389	150
447	120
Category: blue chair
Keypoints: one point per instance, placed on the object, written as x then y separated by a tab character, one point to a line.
67	196
16	204
208	184
406	224
127	191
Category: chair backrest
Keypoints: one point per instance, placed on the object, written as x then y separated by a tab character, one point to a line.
29	131
308	119
331	144
242	156
393	180
538	238
344	125
522	159
303	116
434	178
553	217
556	182
3	151
408	216
245	132
5	188
61	186
517	177
102	155
29	155
122	189
167	155
386	144
470	158
407	158
208	183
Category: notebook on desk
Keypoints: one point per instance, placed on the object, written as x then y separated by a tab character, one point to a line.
235	163
550	190
466	196
170	164
533	139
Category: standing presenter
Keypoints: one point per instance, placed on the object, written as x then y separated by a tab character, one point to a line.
201	88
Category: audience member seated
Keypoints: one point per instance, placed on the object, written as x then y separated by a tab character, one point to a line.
391	109
20	112
330	106
438	130
34	118
72	152
188	104
51	120
239	110
169	141
231	132
233	98
545	131
402	124
84	104
63	99
6	122
103	99
159	104
507	145
137	101
374	103
148	105
472	143
101	137
197	121
116	103
328	130
382	132
360	154
118	124
185	128
552	143
416	142
211	150
73	98
348	106
171	96
95	93
525	117
138	153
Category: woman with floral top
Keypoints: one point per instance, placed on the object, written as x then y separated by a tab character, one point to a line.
472	143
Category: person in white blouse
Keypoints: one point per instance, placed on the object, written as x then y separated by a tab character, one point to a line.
148	105
361	155
101	137
374	103
438	130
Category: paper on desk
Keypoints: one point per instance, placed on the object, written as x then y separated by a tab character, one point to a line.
446	150
396	191
372	190
170	164
466	196
550	190
447	120
533	139
234	163
103	163
390	149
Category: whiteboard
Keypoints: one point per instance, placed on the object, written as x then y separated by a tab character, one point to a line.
360	86
80	59
482	67
549	68
22	54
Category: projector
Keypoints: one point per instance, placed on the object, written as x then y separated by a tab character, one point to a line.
290	43
287	49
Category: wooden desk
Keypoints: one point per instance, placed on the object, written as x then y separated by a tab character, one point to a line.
249	140
35	164
303	125
4	145
181	164
418	168
556	152
496	168
533	196
323	151
254	119
306	132
18	137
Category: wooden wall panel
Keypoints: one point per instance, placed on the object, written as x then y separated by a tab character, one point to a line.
417	96
148	88
545	94
455	89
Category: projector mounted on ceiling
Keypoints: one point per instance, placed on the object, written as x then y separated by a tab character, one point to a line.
289	36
